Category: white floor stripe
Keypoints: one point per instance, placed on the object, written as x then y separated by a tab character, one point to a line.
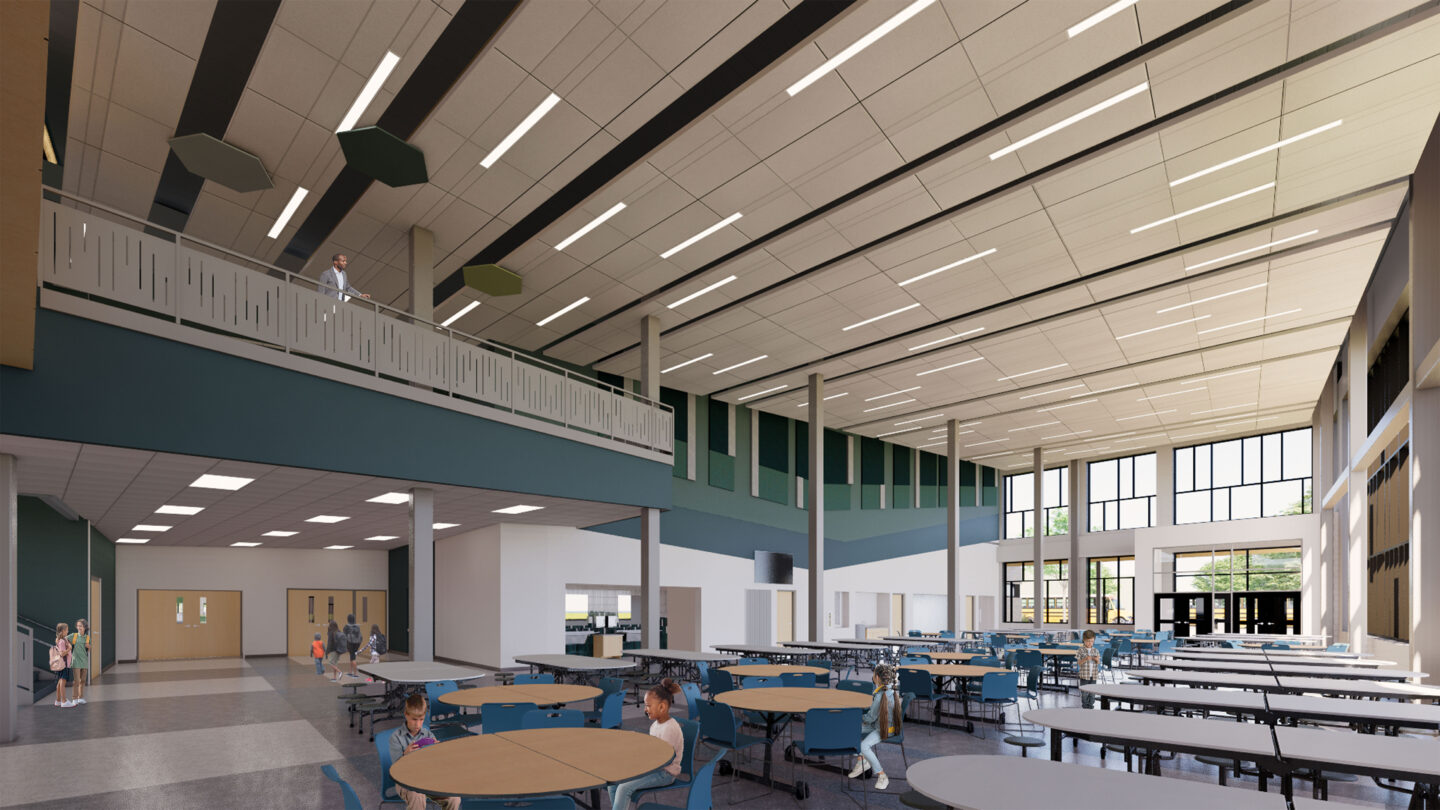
100	691
177	666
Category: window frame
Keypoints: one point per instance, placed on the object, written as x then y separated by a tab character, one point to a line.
1063	607
1093	577
1119	500
1051	513
1201	467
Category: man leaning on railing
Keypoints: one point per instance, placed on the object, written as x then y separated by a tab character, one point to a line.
334	282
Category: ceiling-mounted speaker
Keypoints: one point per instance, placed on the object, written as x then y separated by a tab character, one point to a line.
491	279
376	153
213	159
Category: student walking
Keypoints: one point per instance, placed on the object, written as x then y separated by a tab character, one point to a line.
376	645
60	660
317	651
352	642
80	658
334	643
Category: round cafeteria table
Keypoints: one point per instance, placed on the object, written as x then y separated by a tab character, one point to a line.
541	694
778	702
962	657
770	670
403	677
535	762
954	672
985	782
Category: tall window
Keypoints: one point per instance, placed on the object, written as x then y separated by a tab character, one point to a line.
1122	493
1019	591
1240	569
1020	503
1112	590
1259	476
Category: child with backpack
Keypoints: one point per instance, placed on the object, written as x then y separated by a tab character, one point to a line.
353	640
60	659
317	651
376	645
334	642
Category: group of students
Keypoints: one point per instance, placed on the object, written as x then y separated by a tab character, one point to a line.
70	661
348	640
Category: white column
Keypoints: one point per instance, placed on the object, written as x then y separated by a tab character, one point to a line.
1079	510
816	507
422	574
9	604
953	597
1039	542
422	273
650	518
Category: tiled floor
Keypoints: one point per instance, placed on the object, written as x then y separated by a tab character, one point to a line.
252	734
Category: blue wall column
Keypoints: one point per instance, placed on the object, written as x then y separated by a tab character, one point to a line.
649	517
9	600
422	574
815	500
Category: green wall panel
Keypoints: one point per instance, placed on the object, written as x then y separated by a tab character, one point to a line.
991	493
718	427
837	496
53	578
802	450
872	460
775	485
774	441
722	471
837	458
681	467
102	565
902	497
871	496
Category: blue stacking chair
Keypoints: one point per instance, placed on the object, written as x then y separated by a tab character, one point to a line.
1024	659
691	732
719	729
444	719
720	682
999	689
914	659
744	661
760	682
899	738
821	680
609	715
692	698
702	669
607	687
699	797
798	679
947	634
388	794
352	802
917	650
828	733
918	683
856	685
497	717
555	718
534	677
1338	647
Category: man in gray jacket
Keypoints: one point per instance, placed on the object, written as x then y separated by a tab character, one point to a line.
334	282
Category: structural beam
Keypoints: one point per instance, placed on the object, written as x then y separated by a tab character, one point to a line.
10	659
422	574
815	506
1038	542
954	621
421	253
650	518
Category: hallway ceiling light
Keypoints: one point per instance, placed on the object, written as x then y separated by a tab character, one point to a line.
327	518
169	509
827	399
1144	415
143	527
762	393
993	455
1105	390
1240	253
1262	150
287	212
692	296
1252	320
279	534
243	544
337	548
390	497
519	132
438	526
1206	207
1076	118
562	311
1032	427
895	432
1171	394
888	405
992	441
136	540
894	393
230	482
1056	391
738	365
1087	450
1158	328
1098	17
380	538
859	45
880	317
462	313
949	266
593	224
945	339
517	509
1213	297
1034	371
1226	408
687	362
932	444
952	365
701	235
368	93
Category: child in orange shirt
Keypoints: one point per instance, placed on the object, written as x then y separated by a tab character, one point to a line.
317	651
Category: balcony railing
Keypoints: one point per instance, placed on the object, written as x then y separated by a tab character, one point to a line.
195	283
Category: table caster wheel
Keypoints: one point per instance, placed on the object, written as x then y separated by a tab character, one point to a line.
802	791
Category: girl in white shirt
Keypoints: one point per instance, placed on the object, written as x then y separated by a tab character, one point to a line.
657	707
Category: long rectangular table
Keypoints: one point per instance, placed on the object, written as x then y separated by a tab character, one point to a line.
1273	707
1402	758
1287	668
762	651
1352	687
675	663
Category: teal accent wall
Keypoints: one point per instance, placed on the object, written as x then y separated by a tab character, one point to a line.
680	401
248	411
102	565
53	577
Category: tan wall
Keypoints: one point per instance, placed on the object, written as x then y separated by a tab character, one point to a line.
24	25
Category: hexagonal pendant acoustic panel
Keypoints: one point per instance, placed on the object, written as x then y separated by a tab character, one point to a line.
213	159
374	152
491	279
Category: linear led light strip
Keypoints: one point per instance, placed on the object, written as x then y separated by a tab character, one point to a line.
1213	297
1105	390
992	441
288	212
1145	415
826	399
1248	421
1032	427
519	132
893	393
1228	374
1158	328
1056	391
1077	117
1226	408
1239	253
1034	371
952	365
701	235
1262	150
593	224
887	405
1205	207
562	311
945	339
368	93
1067	405
462	313
687	362
692	296
859	45
1196	435
894	432
880	317
993	455
1099	17
1087	450
738	365
1171	394
922	419
766	391
949	266
1252	320
1063	435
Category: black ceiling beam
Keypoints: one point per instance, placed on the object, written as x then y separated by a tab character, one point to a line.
792	30
59	73
237	33
464	38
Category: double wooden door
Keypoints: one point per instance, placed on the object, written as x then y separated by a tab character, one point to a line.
310	611
185	624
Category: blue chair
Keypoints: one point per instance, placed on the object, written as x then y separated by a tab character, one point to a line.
534	677
806	679
917	650
821	680
388	794
913	634
745	661
699	797
899	737
856	685
1338	647
692	698
1234	644
444	719
497	717
1107	664
1167	646
719	729
691	732
999	689
986	661
918	683
702	669
609	715
829	733
555	718
947	634
720	682
760	682
607	687
914	659
352	802
1025	659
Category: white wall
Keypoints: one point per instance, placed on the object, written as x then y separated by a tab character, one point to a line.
912	575
261	575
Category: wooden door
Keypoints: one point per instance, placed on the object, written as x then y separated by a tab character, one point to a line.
187	624
96	605
370	609
309	611
784	616
897	614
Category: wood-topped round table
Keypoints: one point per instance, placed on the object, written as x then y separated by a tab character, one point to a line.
953	656
955	672
778	702
541	694
770	670
534	762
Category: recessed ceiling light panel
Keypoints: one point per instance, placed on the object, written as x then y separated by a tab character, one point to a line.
327	518
517	509
229	482
390	497
170	509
